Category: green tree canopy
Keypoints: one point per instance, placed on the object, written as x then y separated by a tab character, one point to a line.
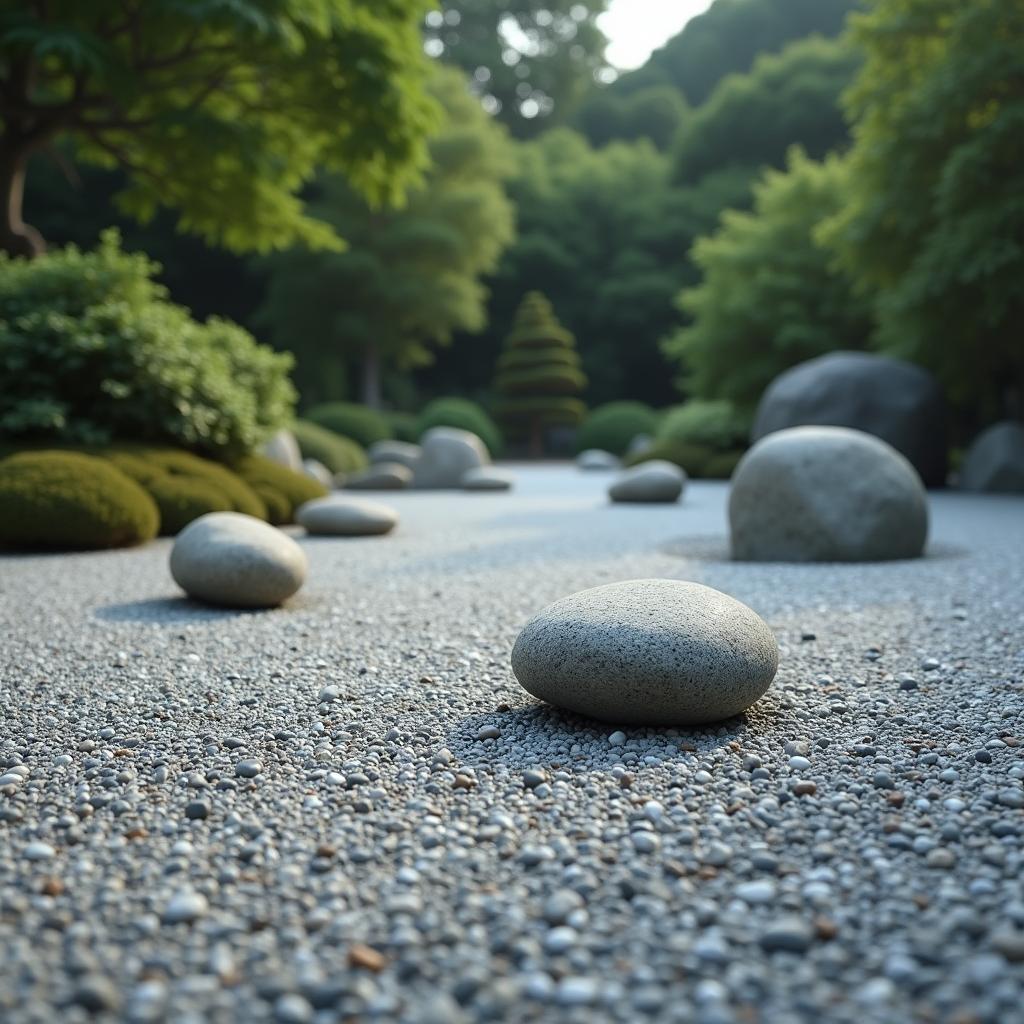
410	276
538	377
219	109
935	218
770	296
657	113
530	60
751	119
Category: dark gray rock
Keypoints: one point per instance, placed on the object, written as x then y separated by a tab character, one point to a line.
995	460
656	652
826	494
402	452
896	401
381	476
655	481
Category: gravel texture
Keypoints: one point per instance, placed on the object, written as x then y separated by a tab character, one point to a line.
346	809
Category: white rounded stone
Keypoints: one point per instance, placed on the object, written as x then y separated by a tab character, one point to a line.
346	517
319	472
655	481
597	459
826	494
447	454
653	652
237	560
283	449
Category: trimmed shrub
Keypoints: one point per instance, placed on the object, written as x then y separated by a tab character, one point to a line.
339	454
712	424
362	424
57	499
461	413
403	426
699	461
91	350
611	427
281	489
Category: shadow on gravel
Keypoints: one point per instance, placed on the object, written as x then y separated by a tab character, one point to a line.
715	549
171	611
531	735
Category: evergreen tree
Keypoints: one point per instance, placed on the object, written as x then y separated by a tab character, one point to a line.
539	374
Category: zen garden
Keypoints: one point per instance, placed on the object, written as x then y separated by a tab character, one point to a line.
512	512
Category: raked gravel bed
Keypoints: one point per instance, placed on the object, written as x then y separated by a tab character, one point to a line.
348	810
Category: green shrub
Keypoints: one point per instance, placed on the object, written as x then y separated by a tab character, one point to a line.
699	461
714	424
59	499
403	426
281	489
461	413
612	426
92	351
362	424
339	454
721	465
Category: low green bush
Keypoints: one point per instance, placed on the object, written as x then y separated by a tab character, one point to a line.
362	424
60	499
339	454
403	426
699	461
611	427
92	351
281	490
712	424
461	413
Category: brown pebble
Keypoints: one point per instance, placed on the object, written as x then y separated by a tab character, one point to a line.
51	887
325	850
366	956
626	780
805	788
464	782
825	928
895	798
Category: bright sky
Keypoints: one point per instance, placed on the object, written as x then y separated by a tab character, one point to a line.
636	27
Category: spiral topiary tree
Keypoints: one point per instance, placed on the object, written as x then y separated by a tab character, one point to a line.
538	377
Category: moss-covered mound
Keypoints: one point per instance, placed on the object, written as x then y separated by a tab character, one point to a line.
464	414
281	490
339	454
363	424
58	499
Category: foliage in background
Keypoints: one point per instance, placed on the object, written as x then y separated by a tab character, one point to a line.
410	276
611	427
714	424
339	454
402	426
220	111
464	414
751	119
530	60
657	114
935	215
538	377
770	294
91	350
55	499
363	425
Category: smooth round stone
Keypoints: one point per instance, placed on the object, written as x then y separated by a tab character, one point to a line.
283	449
227	558
597	459
826	494
654	481
381	476
401	452
647	652
486	478
346	517
319	472
446	455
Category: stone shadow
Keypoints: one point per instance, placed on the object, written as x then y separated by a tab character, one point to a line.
180	610
715	550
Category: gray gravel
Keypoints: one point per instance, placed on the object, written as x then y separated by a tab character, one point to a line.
347	809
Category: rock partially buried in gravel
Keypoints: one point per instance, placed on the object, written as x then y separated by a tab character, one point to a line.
231	559
654	481
381	476
486	478
647	652
346	517
826	494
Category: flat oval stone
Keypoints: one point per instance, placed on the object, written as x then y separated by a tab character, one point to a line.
381	476
655	481
486	478
647	652
237	560
346	517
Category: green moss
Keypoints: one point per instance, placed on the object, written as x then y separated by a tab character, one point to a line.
59	499
362	424
339	454
611	427
461	413
281	490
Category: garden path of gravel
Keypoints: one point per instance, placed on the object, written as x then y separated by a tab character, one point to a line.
292	816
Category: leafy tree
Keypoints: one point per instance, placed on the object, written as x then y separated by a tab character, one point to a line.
770	296
752	119
935	218
728	37
656	113
530	60
410	276
219	109
538	376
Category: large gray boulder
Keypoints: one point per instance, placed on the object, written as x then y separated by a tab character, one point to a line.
647	652
657	480
826	494
283	449
237	560
995	460
403	453
447	454
896	401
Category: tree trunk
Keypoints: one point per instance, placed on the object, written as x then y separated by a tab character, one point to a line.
536	439
371	378
16	237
